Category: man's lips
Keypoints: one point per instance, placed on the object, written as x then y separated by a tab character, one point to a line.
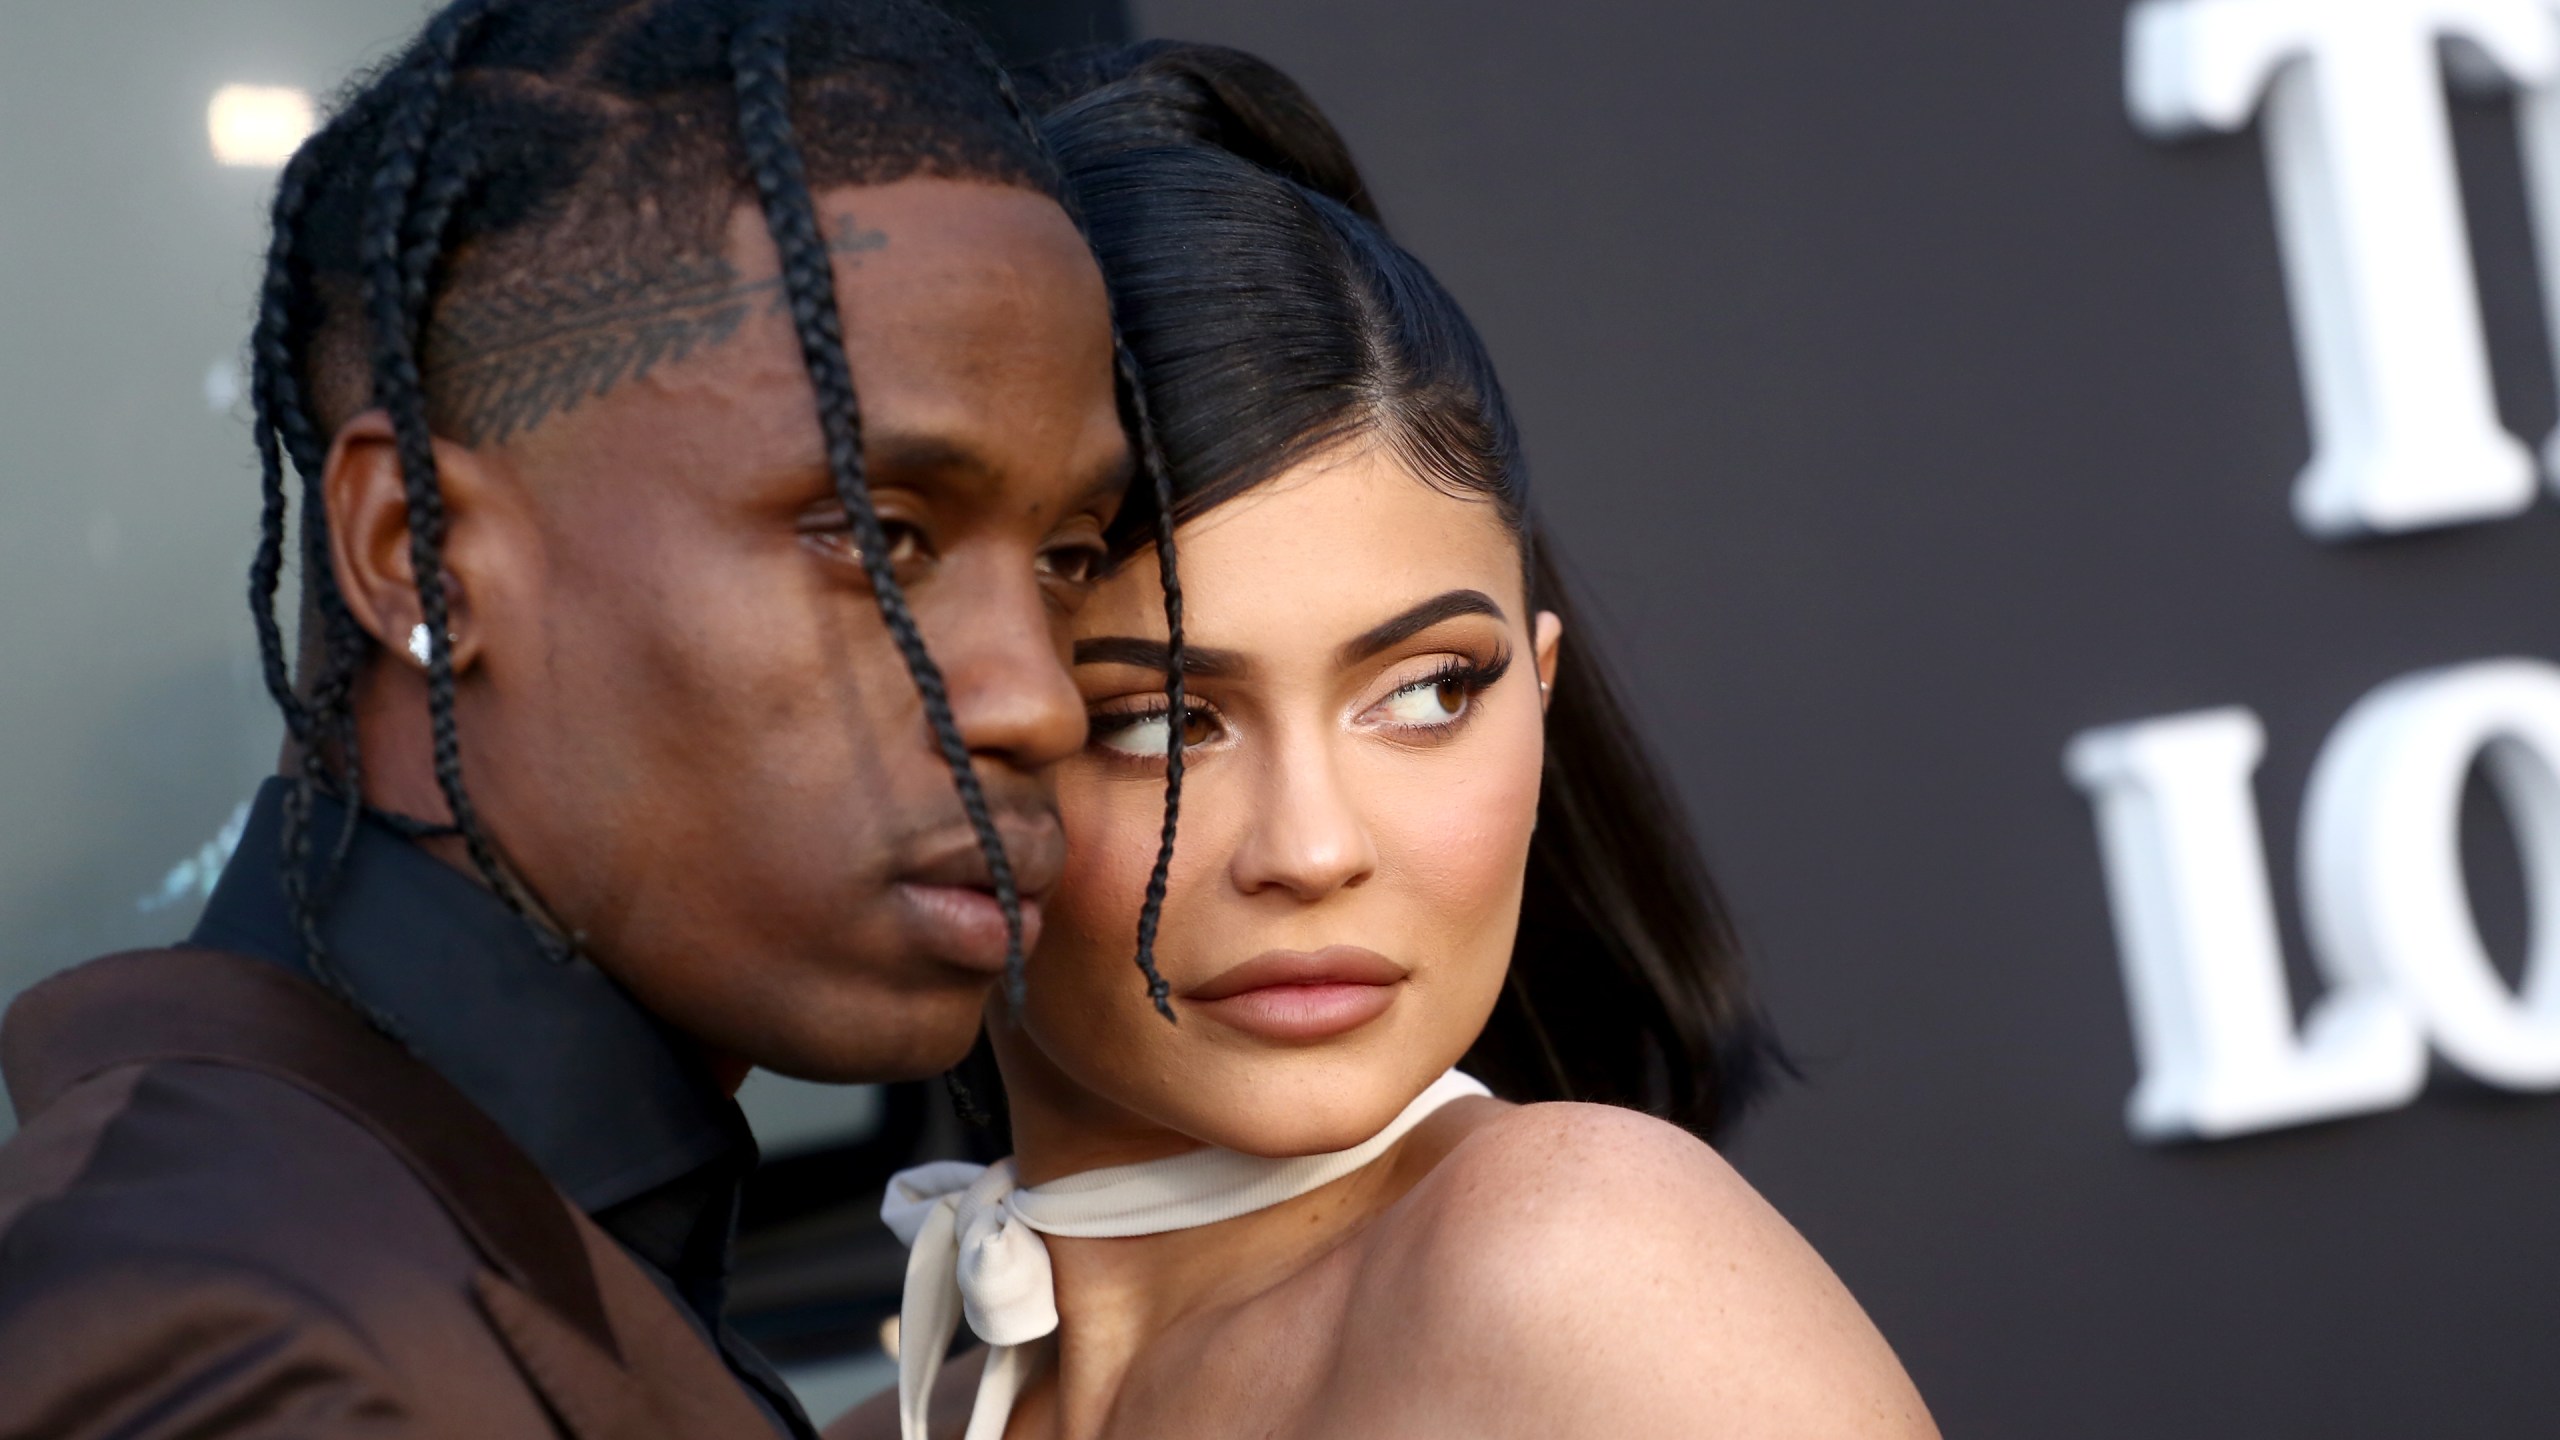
1302	996
963	926
948	893
1032	844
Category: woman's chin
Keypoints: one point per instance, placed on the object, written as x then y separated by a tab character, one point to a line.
1256	1114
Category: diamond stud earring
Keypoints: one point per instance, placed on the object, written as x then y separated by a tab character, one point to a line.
421	646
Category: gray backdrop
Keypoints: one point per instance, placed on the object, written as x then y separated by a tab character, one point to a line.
1905	412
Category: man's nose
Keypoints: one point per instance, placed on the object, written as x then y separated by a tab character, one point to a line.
1307	837
1011	696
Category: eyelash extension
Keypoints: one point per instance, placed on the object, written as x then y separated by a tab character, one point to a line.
1112	722
1476	677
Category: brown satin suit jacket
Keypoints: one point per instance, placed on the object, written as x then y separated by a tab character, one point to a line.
232	1210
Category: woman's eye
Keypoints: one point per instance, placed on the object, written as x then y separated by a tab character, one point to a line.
1430	702
1143	733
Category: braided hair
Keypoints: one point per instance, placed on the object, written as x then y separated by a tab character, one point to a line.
521	149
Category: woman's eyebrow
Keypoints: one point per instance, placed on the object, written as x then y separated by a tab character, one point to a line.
1204	662
1416	620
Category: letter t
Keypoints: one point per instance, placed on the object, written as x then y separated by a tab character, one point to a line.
2377	262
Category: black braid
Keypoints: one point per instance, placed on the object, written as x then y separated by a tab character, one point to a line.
1140	424
272	390
410	827
283	430
964	1099
305	898
1177	711
332	722
424	233
331	726
759	55
403	231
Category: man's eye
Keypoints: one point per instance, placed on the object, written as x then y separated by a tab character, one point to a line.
906	542
1074	564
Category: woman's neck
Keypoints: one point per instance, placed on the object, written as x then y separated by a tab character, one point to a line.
1162	1296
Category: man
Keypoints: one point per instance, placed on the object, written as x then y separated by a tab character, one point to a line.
626	731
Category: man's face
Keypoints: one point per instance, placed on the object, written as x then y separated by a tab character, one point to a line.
684	719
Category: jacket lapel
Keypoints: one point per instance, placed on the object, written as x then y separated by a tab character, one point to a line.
667	1385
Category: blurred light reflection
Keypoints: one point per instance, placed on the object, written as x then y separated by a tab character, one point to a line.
258	125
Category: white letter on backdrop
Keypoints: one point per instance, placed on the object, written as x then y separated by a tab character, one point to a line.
2196	929
2377	263
2538	140
2382	883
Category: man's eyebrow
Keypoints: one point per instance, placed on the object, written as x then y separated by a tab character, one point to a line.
1109	483
1414	621
919	453
917	450
1200	661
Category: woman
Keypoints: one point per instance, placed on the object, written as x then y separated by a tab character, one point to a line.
1416	836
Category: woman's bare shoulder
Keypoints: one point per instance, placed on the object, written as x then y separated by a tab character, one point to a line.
1530	1193
1599	1271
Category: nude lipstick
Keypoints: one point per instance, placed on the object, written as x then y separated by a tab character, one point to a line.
1300	997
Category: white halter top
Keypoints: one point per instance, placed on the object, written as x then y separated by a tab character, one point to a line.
974	1247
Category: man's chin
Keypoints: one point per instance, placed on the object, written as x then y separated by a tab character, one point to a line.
895	1036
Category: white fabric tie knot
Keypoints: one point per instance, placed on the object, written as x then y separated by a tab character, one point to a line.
974	1248
1001	1266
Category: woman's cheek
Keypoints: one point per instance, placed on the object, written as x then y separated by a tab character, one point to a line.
1114	824
1104	879
1464	843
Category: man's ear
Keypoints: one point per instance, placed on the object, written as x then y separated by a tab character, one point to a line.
1546	636
369	538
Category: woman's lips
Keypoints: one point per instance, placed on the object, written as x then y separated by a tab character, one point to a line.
963	925
1294	995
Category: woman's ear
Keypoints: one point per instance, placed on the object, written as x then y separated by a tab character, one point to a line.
1546	637
369	547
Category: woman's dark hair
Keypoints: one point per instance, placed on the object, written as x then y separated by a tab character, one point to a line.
524	160
1275	319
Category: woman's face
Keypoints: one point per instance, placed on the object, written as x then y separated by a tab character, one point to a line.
1363	753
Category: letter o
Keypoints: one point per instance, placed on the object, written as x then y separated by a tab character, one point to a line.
2383	890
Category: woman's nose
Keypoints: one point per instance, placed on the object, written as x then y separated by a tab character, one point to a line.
1307	837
